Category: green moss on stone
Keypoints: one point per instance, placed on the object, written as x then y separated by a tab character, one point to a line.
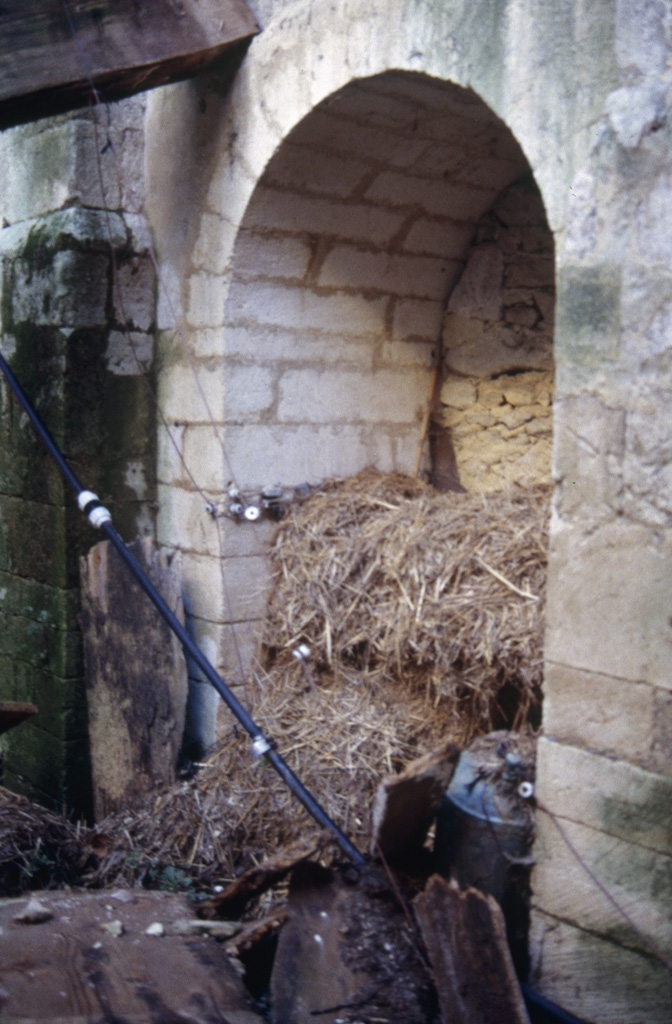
646	820
588	322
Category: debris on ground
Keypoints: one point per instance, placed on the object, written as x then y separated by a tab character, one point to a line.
100	956
39	849
349	951
406	804
257	880
343	943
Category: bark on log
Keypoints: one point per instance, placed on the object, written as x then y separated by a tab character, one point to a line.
136	676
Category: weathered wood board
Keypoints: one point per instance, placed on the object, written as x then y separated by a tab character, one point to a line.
92	960
465	937
406	803
13	712
136	676
122	45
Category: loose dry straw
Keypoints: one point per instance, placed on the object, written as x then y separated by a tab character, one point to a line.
417	608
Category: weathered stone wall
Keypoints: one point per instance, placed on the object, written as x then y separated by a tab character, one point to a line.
497	391
64	334
556	75
312	221
605	761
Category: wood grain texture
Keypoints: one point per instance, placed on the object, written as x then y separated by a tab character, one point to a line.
465	938
124	46
75	968
136	676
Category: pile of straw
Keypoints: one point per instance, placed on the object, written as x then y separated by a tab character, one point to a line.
424	615
390	582
38	848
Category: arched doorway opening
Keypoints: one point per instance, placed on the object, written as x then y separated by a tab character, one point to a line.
395	234
397	219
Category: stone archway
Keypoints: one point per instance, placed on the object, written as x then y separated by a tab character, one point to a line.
584	94
366	218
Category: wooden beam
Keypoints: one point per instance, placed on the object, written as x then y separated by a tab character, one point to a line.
123	46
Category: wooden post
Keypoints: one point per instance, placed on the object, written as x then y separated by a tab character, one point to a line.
136	676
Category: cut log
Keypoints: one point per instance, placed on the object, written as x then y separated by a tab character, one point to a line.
120	45
136	676
406	804
465	937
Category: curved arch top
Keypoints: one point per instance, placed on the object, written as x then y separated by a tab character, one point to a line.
308	52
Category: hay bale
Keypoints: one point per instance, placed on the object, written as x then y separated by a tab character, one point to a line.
424	613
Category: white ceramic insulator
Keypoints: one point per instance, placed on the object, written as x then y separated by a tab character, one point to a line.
84	497
260	746
99	515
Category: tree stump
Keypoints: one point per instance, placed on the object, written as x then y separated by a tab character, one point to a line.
136	675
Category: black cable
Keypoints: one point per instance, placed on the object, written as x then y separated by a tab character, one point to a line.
548	1011
100	517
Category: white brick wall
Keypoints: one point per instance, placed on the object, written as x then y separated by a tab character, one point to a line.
264	344
358	222
309	396
348	267
304	309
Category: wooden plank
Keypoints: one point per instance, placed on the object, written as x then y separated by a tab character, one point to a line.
406	804
122	45
136	676
465	938
92	959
